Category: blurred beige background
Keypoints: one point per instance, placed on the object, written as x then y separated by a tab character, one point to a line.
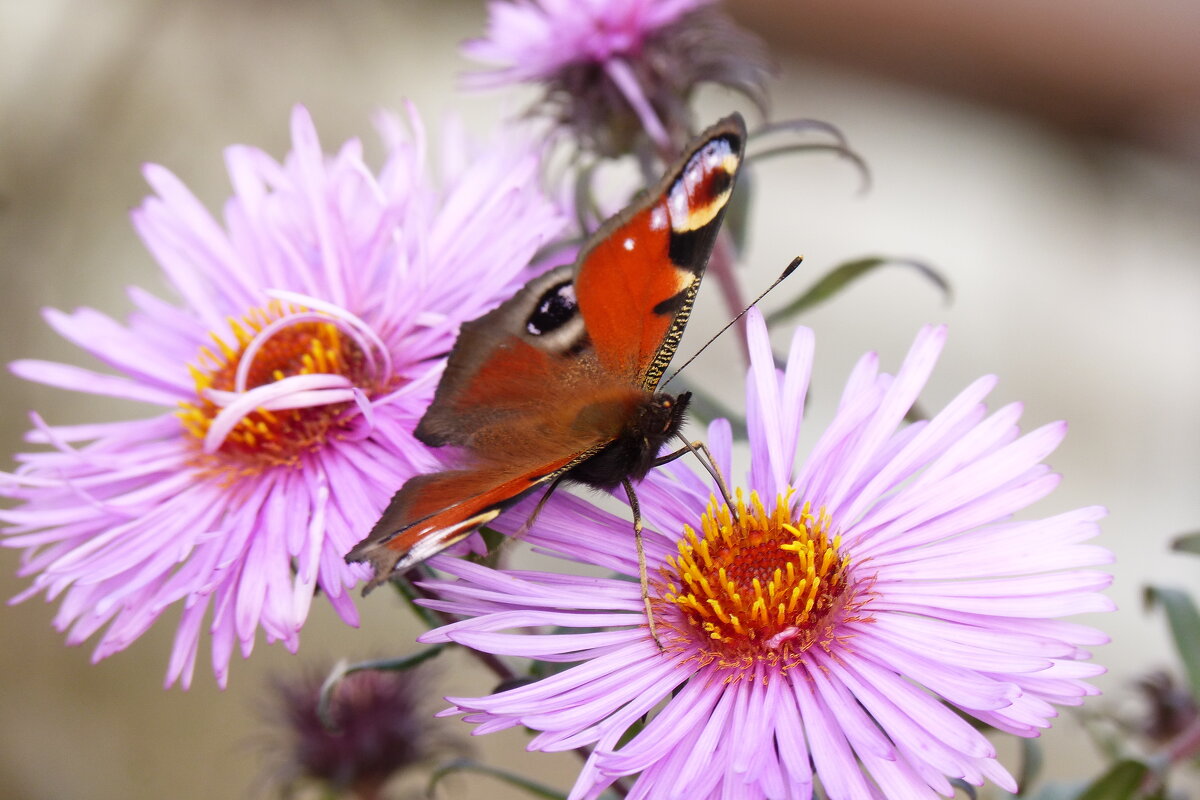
1057	187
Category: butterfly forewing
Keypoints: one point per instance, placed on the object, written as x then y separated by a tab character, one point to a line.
637	280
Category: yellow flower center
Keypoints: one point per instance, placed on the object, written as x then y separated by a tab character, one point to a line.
272	344
756	588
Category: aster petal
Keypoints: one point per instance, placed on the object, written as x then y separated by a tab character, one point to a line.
694	703
182	665
917	451
121	520
770	467
696	756
900	396
832	757
797	374
577	723
943	600
864	379
911	718
78	379
121	348
658	677
509	644
1042	545
720	444
863	733
822	463
173	328
916	504
133	430
188	244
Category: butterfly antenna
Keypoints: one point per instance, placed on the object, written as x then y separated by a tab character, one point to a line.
790	269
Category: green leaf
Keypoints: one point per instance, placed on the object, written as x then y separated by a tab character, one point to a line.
1187	543
1184	620
843	275
1121	782
534	788
343	668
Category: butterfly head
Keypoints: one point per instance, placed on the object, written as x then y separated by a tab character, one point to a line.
661	416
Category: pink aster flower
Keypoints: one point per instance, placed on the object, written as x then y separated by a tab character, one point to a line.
614	67
304	351
825	632
531	40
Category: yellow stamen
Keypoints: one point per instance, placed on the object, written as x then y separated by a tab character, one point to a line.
263	439
761	586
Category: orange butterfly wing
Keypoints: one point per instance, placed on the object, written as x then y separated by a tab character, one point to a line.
551	376
638	278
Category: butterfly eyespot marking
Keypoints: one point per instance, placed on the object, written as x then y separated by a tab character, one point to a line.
555	308
703	188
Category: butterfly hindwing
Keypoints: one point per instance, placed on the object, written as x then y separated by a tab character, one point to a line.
507	364
432	512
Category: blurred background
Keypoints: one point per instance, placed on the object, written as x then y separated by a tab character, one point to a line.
1045	157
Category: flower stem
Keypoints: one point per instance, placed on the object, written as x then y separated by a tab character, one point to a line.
622	76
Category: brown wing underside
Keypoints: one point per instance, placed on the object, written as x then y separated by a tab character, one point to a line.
432	512
498	375
635	281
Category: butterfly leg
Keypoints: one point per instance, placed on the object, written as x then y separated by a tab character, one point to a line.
528	523
698	448
641	554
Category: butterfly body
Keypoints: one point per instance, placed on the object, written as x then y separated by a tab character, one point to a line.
560	381
639	429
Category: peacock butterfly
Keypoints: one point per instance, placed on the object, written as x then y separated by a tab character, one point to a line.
559	382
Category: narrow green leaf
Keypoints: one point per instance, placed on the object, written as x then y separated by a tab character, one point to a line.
343	668
1187	543
843	275
1184	621
1121	782
534	788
